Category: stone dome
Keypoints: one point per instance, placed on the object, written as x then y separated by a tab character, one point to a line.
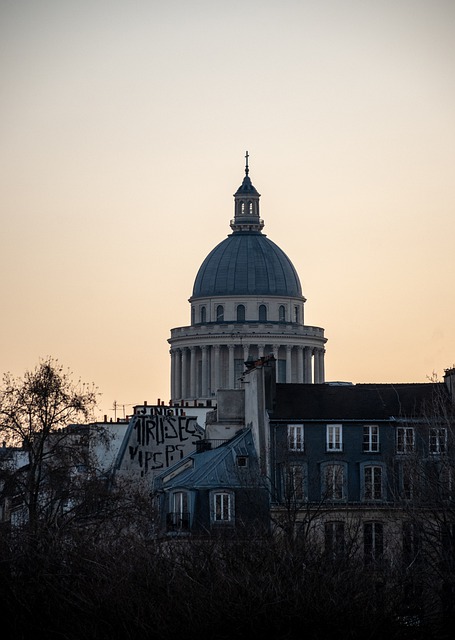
247	263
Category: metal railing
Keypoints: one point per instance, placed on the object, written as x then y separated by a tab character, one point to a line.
208	444
178	521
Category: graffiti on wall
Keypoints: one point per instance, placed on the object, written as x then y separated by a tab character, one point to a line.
158	441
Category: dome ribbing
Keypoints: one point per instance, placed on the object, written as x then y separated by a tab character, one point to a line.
247	263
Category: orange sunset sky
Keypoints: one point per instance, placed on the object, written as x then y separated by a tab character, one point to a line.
123	132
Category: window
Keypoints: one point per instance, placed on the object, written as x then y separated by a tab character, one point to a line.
241	313
437	441
448	544
411	543
193	315
294	489
407	481
18	516
282	313
371	438
250	207
296	314
220	313
334	538
373	541
242	461
281	370
372	482
405	439
262	313
180	499
178	517
334	437
223	507
333	481
242	207
295	437
203	315
445	482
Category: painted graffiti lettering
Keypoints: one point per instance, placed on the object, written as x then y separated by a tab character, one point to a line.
158	429
173	453
159	441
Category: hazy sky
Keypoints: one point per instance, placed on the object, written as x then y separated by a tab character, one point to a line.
124	126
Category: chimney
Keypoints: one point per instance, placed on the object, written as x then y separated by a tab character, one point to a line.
449	379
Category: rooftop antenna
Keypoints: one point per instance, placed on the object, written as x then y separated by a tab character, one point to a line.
116	405
246	163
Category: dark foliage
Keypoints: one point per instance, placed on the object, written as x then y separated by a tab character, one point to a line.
127	587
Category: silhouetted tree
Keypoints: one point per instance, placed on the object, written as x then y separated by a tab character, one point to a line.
425	491
36	412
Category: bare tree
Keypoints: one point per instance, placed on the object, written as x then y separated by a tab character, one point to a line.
424	491
35	414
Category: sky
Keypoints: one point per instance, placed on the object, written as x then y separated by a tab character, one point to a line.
123	129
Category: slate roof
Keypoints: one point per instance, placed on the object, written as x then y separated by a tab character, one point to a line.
212	468
247	263
354	402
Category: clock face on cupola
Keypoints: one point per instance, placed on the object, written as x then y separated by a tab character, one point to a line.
247	302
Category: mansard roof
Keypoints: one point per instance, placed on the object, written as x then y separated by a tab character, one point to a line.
213	468
366	402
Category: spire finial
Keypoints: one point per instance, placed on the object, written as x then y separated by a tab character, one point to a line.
246	163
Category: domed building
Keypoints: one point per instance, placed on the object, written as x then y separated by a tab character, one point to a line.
247	302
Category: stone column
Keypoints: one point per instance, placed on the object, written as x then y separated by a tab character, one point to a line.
300	364
193	372
172	354
216	366
308	352
205	372
184	355
317	366
322	365
231	348
276	348
288	363
177	394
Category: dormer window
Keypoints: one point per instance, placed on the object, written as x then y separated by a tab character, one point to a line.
242	461
178	517
222	507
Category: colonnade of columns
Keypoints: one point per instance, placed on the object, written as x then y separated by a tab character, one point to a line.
198	371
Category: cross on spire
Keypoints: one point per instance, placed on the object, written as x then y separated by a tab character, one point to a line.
246	163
